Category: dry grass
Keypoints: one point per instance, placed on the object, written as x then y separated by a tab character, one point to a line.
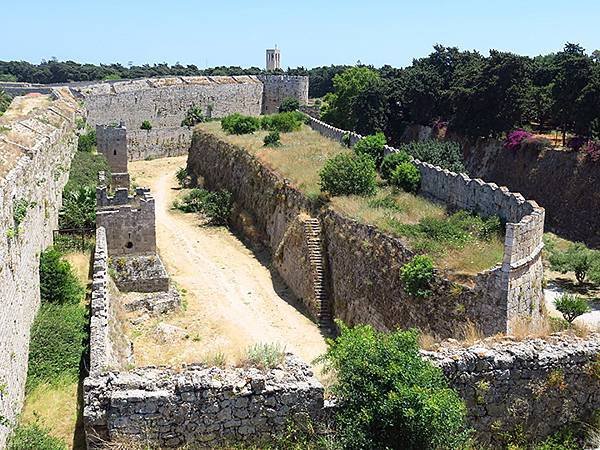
301	157
428	342
56	407
470	334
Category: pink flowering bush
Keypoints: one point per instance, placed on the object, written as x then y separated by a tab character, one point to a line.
592	150
515	139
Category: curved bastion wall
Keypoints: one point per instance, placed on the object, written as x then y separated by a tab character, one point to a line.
518	280
37	143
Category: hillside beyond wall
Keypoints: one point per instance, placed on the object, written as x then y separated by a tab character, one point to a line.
564	183
35	156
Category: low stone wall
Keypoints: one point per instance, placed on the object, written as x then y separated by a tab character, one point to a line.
35	155
535	386
210	406
520	275
158	142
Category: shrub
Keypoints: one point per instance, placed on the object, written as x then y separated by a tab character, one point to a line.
446	154
592	150
146	125
182	177
87	142
79	208
20	208
348	174
5	101
33	436
272	139
193	116
239	124
515	138
391	161
289	104
417	275
216	206
406	176
84	171
265	356
571	306
282	122
373	145
389	396
58	337
577	259
58	283
536	143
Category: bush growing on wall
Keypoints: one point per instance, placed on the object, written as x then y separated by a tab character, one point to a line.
373	145
272	139
289	104
391	161
406	176
348	174
193	116
87	141
389	397
417	275
239	124
446	154
282	122
146	125
58	283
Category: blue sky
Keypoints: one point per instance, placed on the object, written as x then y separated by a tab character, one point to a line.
309	32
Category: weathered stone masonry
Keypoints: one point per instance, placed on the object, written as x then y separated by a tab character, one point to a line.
519	278
35	155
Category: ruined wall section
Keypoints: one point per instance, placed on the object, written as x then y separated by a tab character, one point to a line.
278	87
35	156
539	385
520	276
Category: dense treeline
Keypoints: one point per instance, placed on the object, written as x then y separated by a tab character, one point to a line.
472	94
53	71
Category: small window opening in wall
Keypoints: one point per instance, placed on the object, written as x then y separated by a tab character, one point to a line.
114	152
129	244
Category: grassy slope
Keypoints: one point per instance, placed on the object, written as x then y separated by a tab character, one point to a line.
301	157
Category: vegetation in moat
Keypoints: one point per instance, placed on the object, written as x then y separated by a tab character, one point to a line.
5	101
302	157
576	258
214	205
33	436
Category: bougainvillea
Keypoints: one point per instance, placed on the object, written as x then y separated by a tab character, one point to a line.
592	150
576	143
515	139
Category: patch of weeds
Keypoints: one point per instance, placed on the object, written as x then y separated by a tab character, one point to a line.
265	356
217	359
556	380
481	389
386	202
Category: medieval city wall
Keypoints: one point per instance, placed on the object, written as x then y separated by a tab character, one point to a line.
278	87
35	156
529	388
531	171
353	252
158	142
520	275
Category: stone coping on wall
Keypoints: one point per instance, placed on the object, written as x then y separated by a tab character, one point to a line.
154	83
25	136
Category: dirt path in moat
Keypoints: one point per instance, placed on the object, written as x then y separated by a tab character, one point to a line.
232	299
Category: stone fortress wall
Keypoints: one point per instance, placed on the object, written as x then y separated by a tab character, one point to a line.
168	407
35	156
165	101
519	278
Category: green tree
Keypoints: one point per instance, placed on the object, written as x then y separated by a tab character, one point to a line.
373	146
348	174
79	208
391	161
389	397
446	154
58	283
577	258
289	104
347	85
571	306
371	108
406	176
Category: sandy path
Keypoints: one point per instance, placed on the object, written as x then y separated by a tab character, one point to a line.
232	299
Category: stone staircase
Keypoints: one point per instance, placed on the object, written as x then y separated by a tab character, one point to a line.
312	230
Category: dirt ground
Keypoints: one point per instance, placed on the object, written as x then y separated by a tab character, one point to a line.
231	299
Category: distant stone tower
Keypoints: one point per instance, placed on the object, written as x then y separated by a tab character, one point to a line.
273	59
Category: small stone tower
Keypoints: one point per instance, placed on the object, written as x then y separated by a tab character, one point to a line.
273	59
112	143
